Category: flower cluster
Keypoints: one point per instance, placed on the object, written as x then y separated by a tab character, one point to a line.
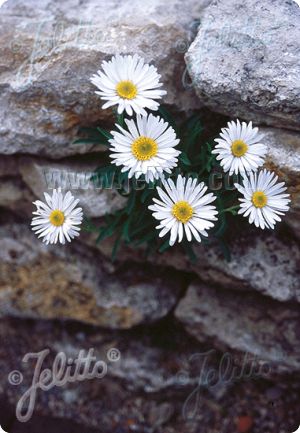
146	146
240	150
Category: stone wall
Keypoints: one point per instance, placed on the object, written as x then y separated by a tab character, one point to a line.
243	59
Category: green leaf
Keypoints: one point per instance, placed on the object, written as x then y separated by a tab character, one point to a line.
184	158
93	135
142	227
131	202
148	237
221	227
167	117
104	177
233	209
147	193
90	132
165	246
88	225
192	130
104	233
125	230
112	223
123	184
86	141
104	134
190	252
209	163
116	247
225	250
121	119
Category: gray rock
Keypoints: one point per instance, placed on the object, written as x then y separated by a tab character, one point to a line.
284	158
49	49
244	61
90	402
15	196
283	154
143	365
292	218
9	166
261	261
264	261
59	282
245	322
137	393
44	175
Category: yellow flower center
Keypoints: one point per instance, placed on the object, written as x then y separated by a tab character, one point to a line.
57	218
259	199
239	148
126	89
182	211
144	148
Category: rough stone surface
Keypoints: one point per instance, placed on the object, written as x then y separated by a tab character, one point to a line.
244	61
284	158
8	166
283	154
49	49
293	218
265	328
153	388
261	261
267	262
15	196
44	175
37	281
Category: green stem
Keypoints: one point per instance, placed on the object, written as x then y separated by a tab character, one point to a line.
230	209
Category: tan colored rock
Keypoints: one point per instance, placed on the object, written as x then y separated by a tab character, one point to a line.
60	282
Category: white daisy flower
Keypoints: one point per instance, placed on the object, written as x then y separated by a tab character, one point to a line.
263	200
148	147
57	219
239	148
184	209
130	83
